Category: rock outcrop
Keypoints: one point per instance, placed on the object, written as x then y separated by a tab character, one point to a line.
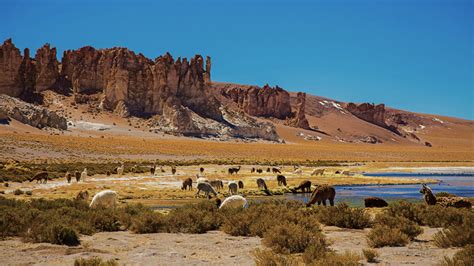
371	113
31	114
262	102
298	118
118	80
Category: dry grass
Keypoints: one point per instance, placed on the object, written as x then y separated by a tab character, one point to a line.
464	257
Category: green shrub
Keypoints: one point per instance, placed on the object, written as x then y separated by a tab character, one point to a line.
370	255
464	257
344	216
94	261
409	228
381	236
291	238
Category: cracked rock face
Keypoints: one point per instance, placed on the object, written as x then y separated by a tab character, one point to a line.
298	118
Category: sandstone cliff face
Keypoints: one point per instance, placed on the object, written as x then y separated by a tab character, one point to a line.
371	113
298	118
263	102
177	91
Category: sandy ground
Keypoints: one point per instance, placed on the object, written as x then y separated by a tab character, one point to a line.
213	247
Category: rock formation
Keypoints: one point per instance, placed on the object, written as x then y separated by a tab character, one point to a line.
177	91
263	102
31	114
371	113
298	118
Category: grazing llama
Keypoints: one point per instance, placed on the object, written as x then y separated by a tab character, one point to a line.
235	201
41	177
241	184
276	170
305	186
317	172
105	198
281	180
83	195
259	171
217	184
233	187
375	202
187	184
207	188
321	194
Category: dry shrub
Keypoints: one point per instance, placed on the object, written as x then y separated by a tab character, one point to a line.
147	223
291	238
270	258
194	218
94	261
444	194
407	227
315	251
370	255
456	236
464	257
18	192
381	236
344	216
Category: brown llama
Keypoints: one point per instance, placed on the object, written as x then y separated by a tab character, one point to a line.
252	170
375	202
428	195
262	185
276	170
268	170
68	177
234	170
41	177
201	170
152	170
173	170
77	174
217	184
83	195
281	180
305	186
321	194
241	184
187	184
259	170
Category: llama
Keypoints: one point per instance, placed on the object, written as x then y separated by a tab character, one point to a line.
105	198
187	184
259	171
83	195
107	173
428	195
41	177
375	202
305	186
241	184
233	187
77	174
281	180
317	172
83	175
233	170
430	199
346	173
276	170
120	169
298	171
201	170
252	170
217	184
321	194
162	169
235	201
152	170
261	184
207	188
68	177
268	170
173	170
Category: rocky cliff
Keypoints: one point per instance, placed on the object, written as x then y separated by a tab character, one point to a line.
298	118
178	91
375	114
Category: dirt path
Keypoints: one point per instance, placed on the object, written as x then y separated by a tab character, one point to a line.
211	248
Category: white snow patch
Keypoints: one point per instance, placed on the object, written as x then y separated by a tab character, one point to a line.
422	127
438	120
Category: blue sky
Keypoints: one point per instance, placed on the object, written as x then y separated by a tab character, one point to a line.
409	54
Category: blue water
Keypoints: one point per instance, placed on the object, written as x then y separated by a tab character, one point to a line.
459	184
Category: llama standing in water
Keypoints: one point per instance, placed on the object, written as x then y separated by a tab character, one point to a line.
321	194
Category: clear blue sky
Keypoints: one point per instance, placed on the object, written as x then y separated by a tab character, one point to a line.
409	54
